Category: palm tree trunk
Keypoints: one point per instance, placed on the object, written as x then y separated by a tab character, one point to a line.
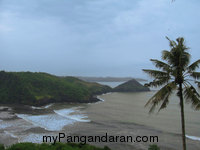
182	116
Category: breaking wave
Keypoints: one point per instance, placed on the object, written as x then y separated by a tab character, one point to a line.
55	121
73	114
43	107
193	137
50	122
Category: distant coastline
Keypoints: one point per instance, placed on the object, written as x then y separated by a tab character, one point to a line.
108	79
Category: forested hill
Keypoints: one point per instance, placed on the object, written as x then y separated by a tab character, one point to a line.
42	88
131	86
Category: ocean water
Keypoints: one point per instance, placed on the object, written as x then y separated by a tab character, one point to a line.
114	110
129	108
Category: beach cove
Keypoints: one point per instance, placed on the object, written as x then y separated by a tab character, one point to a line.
119	114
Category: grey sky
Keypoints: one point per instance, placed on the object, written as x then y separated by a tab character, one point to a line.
93	37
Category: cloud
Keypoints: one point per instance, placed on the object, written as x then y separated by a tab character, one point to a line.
92	37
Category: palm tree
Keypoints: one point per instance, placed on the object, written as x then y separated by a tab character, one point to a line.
175	74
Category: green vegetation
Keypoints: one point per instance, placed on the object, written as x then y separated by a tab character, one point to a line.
153	147
175	74
57	146
130	86
2	147
42	88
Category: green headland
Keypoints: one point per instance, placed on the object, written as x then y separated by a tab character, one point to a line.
42	88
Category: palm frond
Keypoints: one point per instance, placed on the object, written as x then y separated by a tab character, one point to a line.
161	65
156	73
180	58
166	55
171	43
161	96
185	59
158	82
195	75
178	55
191	95
194	65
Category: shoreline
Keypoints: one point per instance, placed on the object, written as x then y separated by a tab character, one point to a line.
97	126
94	99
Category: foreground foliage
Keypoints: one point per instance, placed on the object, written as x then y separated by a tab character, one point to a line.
175	74
57	146
153	147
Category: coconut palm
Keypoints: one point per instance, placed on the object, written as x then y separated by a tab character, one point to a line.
175	74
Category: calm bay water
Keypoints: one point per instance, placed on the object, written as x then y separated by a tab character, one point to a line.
129	107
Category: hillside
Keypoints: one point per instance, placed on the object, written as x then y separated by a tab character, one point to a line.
130	86
42	88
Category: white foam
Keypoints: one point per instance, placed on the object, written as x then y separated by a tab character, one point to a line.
31	137
193	137
50	122
79	118
33	107
18	124
70	114
107	93
43	107
11	134
5	125
101	99
47	106
64	112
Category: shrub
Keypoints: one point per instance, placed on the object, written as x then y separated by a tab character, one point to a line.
1	147
57	146
153	147
106	148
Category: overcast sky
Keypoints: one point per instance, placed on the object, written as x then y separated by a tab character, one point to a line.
93	37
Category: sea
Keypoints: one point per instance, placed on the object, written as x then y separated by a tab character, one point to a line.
115	111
